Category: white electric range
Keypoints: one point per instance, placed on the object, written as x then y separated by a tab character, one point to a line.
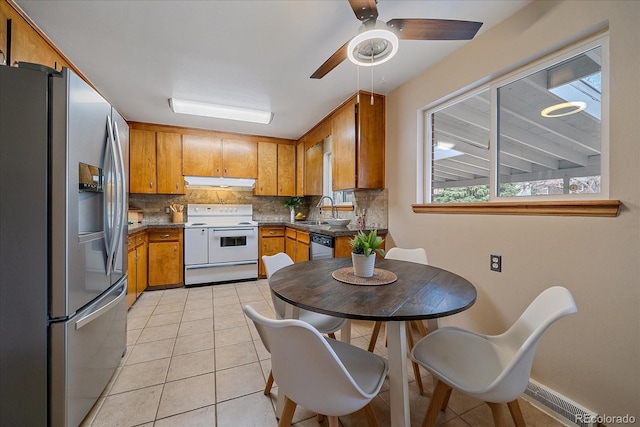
220	244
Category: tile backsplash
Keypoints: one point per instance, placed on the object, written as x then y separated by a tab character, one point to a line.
265	208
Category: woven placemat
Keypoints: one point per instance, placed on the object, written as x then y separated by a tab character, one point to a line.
380	277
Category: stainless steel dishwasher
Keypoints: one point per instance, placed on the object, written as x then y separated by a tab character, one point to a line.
321	246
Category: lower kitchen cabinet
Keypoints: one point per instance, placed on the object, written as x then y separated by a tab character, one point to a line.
342	247
166	264
137	262
297	244
270	242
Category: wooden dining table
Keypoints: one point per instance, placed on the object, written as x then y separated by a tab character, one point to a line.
420	292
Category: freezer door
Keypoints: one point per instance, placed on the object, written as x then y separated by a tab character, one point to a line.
85	352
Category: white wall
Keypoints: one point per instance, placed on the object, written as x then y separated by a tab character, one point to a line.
592	357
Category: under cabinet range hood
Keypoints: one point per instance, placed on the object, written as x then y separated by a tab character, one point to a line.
209	181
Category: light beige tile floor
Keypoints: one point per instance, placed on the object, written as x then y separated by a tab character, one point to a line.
193	359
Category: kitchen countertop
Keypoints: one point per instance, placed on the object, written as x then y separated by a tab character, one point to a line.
324	229
134	228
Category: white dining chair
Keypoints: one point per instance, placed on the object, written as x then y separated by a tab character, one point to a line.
323	323
419	256
492	368
325	376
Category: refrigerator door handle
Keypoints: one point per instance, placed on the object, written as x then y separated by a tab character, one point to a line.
106	170
102	310
121	193
113	238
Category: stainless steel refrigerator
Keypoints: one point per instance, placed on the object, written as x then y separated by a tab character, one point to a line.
63	263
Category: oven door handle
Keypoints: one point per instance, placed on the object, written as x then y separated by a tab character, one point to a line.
234	232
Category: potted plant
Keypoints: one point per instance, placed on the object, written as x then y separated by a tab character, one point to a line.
292	203
363	252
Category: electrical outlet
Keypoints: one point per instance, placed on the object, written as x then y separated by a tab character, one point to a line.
167	210
496	263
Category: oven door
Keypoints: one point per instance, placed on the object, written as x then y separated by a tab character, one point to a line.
232	244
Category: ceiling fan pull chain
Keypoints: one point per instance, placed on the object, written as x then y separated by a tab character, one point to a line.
358	84
371	79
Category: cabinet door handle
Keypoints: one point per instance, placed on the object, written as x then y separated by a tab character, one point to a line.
164	236
177	186
151	185
225	171
175	249
272	232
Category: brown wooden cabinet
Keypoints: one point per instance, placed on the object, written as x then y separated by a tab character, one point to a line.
358	144
165	257
276	169
297	244
271	242
27	43
300	152
208	155
137	266
313	170
342	247
155	162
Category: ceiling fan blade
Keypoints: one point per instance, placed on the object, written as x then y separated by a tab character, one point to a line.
331	63
364	9
434	29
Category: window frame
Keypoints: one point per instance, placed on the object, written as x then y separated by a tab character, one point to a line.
562	204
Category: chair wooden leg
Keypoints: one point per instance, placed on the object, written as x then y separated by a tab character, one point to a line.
333	421
267	388
371	415
440	393
516	413
421	328
416	367
287	412
332	335
445	402
497	410
374	336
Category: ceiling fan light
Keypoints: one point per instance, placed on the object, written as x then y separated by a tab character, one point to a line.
218	111
564	109
369	42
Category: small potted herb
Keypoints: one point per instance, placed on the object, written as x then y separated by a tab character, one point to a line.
292	203
363	252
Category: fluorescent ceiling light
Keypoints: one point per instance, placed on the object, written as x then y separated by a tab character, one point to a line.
220	111
372	47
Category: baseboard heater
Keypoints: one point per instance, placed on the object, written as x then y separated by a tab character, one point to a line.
561	406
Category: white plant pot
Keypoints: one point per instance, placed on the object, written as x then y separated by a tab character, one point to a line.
363	265
293	214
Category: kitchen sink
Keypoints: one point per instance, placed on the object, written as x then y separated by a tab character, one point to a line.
311	222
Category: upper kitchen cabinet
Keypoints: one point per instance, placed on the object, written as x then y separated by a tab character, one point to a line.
300	168
358	144
276	169
27	43
208	155
313	170
313	157
155	162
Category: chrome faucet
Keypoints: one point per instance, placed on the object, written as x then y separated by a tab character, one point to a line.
333	209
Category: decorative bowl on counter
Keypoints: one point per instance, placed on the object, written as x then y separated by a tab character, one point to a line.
300	218
338	221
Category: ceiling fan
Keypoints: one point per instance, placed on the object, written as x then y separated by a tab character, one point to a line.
377	41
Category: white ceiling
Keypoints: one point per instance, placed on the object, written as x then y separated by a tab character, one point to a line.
253	54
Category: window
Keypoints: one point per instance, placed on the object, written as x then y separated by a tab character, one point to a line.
546	121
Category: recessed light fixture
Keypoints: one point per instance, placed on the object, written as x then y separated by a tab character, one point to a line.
573	106
372	47
182	106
